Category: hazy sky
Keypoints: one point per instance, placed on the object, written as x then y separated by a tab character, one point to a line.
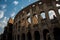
9	8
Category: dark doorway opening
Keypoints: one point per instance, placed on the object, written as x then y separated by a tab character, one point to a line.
18	37
46	34
37	35
23	37
29	37
57	33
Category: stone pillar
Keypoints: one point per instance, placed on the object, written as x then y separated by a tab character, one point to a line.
32	33
51	35
25	36
56	11
20	36
20	32
6	37
47	35
13	37
25	26
31	18
47	16
39	21
41	35
48	20
38	13
16	37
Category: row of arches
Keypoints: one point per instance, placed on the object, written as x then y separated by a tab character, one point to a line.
46	35
51	14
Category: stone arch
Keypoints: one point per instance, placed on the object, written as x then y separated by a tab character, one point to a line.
56	32
51	13
29	20
35	18
40	3
46	34
33	7
23	36
42	13
59	11
57	5
29	37
37	35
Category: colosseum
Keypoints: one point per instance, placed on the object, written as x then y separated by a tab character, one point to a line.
29	23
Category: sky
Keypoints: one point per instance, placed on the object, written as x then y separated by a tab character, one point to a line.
9	8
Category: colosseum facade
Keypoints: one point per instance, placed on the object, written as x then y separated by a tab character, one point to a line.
29	23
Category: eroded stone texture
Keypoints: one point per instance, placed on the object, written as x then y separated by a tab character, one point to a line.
39	28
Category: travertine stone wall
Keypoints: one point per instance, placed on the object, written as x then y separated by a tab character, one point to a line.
21	20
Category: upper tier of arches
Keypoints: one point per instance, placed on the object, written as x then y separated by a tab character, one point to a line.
42	8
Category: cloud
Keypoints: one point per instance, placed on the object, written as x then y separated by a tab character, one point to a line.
3	23
0	24
1	14
13	15
22	7
15	9
29	0
3	6
5	0
5	20
1	30
15	2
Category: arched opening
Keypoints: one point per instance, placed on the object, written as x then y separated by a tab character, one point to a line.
29	20
29	37
59	11
36	35
23	37
51	13
43	15
35	19
45	34
57	0
56	33
28	13
57	5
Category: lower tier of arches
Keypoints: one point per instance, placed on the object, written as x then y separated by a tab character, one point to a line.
37	36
